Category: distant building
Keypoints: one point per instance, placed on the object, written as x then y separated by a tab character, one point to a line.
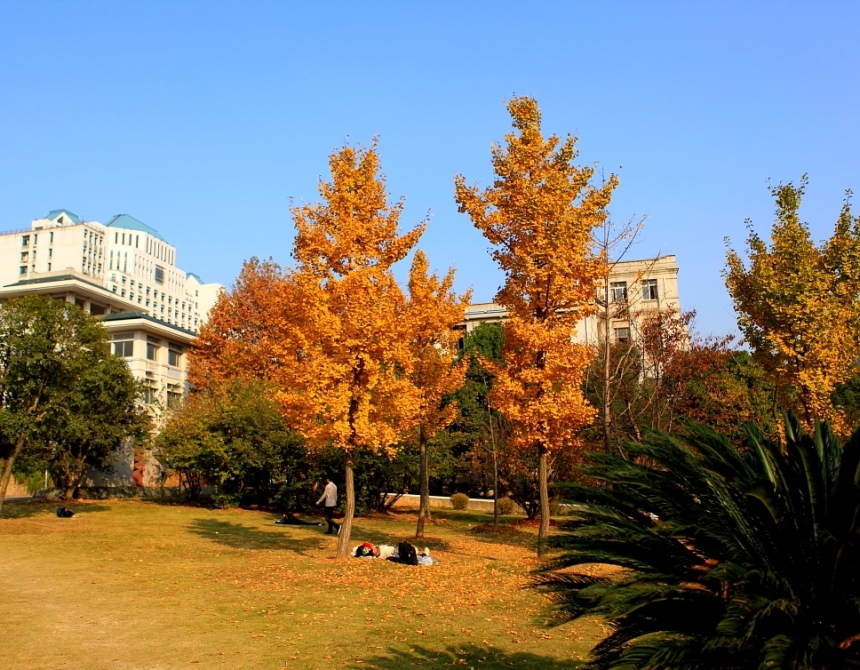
636	288
125	273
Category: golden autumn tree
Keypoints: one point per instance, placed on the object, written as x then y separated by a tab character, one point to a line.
798	304
540	215
237	338
433	311
345	370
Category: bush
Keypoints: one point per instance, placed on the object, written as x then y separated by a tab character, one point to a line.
226	500
556	507
505	506
750	565
460	501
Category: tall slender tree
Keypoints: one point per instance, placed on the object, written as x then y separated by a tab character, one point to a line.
433	311
540	215
345	371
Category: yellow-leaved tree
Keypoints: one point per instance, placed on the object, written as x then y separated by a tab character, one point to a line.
798	305
345	375
539	215
433	312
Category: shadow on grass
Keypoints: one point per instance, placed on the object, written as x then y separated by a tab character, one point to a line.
490	658
23	509
239	536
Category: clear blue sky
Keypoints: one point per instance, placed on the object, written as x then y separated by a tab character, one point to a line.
202	119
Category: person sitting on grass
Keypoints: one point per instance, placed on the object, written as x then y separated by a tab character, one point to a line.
289	519
64	512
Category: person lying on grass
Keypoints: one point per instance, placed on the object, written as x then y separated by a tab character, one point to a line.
289	519
397	555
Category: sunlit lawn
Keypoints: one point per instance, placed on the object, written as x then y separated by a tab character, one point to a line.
141	585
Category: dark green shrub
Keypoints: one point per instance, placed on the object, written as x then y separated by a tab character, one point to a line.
732	558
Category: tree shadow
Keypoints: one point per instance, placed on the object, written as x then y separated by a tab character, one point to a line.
24	509
489	658
240	536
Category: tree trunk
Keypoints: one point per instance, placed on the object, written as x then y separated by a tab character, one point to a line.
424	487
495	471
346	526
543	477
6	473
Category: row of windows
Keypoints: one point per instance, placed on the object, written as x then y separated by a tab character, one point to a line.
122	345
25	239
174	395
618	290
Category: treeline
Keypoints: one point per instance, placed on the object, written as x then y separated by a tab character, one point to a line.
371	377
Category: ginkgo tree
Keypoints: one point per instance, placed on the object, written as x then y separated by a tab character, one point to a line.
798	305
540	215
433	312
345	368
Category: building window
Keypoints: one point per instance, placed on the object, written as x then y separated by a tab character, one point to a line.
150	395
159	274
174	356
622	334
618	291
49	267
25	256
123	345
25	240
50	253
50	238
152	349
23	270
174	396
649	289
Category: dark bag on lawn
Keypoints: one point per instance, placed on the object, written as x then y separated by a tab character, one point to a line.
407	553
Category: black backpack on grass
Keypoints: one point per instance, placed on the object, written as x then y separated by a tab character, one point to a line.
408	554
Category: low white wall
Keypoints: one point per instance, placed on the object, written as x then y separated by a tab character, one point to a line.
480	504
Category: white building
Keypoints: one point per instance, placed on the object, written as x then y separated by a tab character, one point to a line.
124	272
125	256
637	288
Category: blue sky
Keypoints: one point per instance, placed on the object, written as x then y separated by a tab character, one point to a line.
202	119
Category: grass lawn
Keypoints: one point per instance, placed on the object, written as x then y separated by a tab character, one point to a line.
139	585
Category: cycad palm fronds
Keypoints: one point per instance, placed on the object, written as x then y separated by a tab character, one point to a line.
731	558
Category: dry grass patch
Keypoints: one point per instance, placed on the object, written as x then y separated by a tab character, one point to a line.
136	585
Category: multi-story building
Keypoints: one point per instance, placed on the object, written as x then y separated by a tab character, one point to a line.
124	272
637	288
125	256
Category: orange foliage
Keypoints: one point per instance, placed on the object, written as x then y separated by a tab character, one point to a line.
433	312
237	339
539	215
345	373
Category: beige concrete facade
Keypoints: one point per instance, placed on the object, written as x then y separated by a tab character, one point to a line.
636	288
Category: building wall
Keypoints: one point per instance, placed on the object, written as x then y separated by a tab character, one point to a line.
649	285
136	265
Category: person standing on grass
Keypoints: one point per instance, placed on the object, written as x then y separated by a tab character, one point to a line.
329	498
